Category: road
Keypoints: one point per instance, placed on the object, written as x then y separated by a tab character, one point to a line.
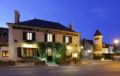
94	69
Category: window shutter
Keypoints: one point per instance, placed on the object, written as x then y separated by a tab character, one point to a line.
53	38
19	52
45	37
63	39
24	35
70	39
38	53
33	36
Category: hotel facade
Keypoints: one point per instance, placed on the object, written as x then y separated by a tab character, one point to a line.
23	38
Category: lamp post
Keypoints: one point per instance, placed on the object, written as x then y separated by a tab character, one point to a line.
116	45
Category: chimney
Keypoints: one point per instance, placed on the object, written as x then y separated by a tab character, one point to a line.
71	27
17	16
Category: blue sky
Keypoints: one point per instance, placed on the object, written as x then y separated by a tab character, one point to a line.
87	15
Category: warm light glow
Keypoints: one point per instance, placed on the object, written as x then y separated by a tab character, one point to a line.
49	52
89	51
68	47
5	53
74	55
116	41
81	47
29	45
102	59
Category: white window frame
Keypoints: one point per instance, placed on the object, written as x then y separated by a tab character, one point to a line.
67	39
49	37
29	35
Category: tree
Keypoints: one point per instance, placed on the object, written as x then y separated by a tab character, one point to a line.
42	49
59	50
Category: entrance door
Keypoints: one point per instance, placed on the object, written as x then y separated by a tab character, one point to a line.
49	54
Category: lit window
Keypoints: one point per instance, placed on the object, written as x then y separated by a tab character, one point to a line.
29	36
4	53
49	37
67	39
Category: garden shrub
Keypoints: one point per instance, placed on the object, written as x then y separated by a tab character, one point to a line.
7	63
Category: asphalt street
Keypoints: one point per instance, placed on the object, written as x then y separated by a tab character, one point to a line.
94	69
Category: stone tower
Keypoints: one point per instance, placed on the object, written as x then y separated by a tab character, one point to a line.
97	41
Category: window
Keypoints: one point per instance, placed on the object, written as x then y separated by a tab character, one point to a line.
4	53
49	38
5	35
29	52
67	39
96	38
29	36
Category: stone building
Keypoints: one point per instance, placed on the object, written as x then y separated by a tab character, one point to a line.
3	43
24	36
96	47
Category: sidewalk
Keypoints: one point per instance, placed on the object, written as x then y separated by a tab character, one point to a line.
83	62
24	65
31	65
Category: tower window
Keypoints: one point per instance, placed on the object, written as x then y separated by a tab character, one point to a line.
96	38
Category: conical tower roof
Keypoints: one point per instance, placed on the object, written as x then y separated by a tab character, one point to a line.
97	33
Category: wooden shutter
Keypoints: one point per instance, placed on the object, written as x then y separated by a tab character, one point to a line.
38	53
70	39
54	38
45	37
19	52
33	36
24	35
63	39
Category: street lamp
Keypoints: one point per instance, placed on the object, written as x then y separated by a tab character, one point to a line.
116	47
116	41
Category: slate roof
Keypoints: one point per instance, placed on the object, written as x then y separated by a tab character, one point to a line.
44	24
97	33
